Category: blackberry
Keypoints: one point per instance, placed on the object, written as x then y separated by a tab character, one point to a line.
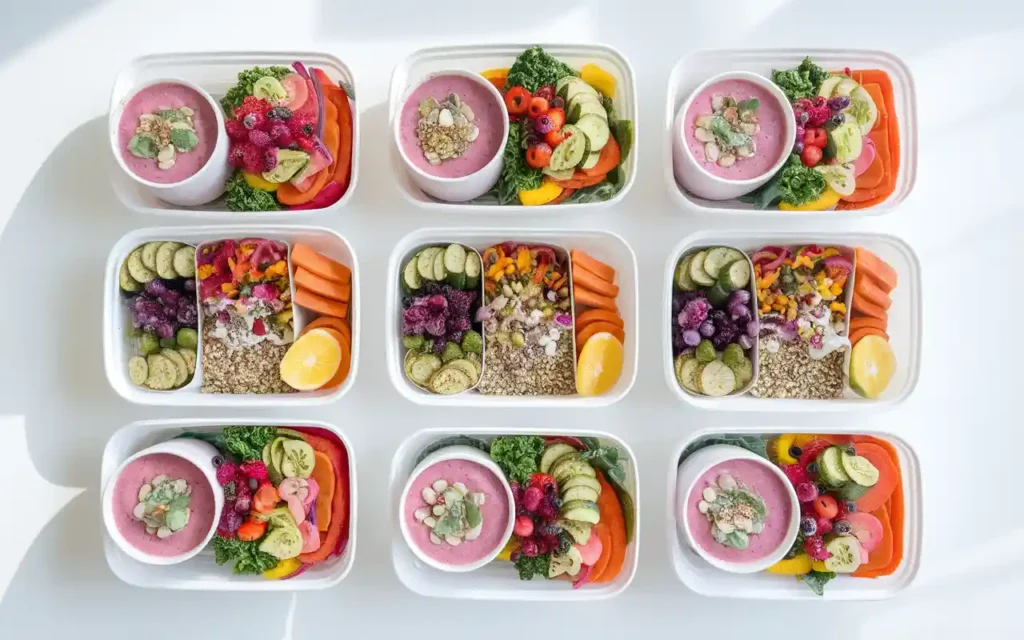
280	113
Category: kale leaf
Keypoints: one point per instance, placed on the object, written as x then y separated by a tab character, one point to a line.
242	197
517	456
535	68
247	442
817	580
528	566
794	183
247	556
801	82
516	176
246	79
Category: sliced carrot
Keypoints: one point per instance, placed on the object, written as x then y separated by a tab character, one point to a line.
594	328
304	256
874	176
878	269
322	286
894	507
861	322
602	532
889	136
337	530
865	307
588	298
858	334
598	268
346	359
585	278
580	180
320	304
562	197
611	515
289	194
598	315
608	160
341	168
869	290
879	557
875	91
323	473
330	322
888	477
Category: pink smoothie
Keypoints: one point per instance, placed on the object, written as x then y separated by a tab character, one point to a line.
488	117
126	496
760	479
478	479
768	141
155	98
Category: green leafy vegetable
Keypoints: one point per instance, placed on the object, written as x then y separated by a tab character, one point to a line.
453	441
750	104
517	456
247	556
802	82
246	79
142	145
528	567
727	138
517	175
606	459
242	197
754	443
184	139
247	442
795	183
535	68
817	580
599	192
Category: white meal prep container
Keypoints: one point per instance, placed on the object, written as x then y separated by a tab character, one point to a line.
694	69
905	317
481	57
117	348
201	572
216	72
602	245
706	580
499	580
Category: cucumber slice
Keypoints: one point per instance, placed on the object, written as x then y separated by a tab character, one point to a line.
162	373
410	275
715	260
591	160
688	373
579	531
587	107
577	101
580	493
138	370
455	258
859	469
425	262
190	359
467	367
846	557
862	110
683	280
553	453
473	268
423	367
137	270
439	271
744	370
845	87
596	129
830	467
149	254
585	481
716	379
736	275
184	262
456	280
569	154
573	86
851	491
718	294
581	511
839	177
829	85
179	365
449	381
848	141
564	174
697	272
561	83
410	359
165	260
126	281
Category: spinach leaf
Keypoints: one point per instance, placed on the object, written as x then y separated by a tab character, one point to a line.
817	580
754	443
528	567
247	442
606	459
597	193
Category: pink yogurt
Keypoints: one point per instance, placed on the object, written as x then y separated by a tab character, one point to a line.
768	141
488	118
760	479
168	95
126	496
478	479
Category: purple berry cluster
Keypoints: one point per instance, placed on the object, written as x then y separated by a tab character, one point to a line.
165	306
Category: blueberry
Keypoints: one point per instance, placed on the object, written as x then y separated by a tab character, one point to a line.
850	506
812	468
808	527
838	119
795	451
851	450
798	148
218	460
842	527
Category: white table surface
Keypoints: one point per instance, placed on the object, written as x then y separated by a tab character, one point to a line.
60	217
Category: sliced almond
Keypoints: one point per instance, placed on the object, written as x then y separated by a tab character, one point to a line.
430	521
429	496
439	510
461	488
717	103
725	527
703	506
711	152
452	540
440	485
474	533
434	538
139	511
160	479
709	494
727	482
144	491
703	135
704	121
421	514
744	524
726	160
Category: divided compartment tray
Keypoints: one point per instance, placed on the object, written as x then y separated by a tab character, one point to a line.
481	57
201	572
695	68
904	317
701	577
602	245
216	72
117	348
498	580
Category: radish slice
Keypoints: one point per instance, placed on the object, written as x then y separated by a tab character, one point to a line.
866	528
866	157
297	89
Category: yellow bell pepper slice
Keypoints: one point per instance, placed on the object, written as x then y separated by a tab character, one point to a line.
598	78
282	569
798	565
818	565
545	193
258	182
828	199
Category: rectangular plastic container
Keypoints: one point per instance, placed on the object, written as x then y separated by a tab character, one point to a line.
603	245
201	572
904	318
117	319
694	69
216	72
498	580
699	576
481	57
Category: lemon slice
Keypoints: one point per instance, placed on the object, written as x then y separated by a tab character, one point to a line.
311	361
600	365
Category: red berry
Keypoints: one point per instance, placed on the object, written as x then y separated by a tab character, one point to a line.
236	157
818	101
523	527
810	156
269	159
824	526
543	481
811	451
815	547
303	125
547	92
252	158
815	137
226	473
255	469
260	138
236	130
281	135
528	547
532	498
806	492
796	473
825	506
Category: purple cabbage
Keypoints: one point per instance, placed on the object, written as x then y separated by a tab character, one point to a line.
775	324
739	296
691	338
435	326
156	287
694	313
746	341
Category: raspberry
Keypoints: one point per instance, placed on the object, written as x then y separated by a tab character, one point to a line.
544	481
236	156
532	499
803	103
548	510
226	473
819	115
255	469
306	144
811	451
806	492
242	504
252	158
259	138
303	126
796	473
819	101
236	130
815	547
824	526
281	135
528	547
252	104
269	159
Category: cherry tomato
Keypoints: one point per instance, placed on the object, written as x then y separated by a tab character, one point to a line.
557	117
826	506
811	156
538	156
554	138
537	107
547	92
517	99
815	137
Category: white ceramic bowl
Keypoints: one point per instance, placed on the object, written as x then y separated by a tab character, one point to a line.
454	189
695	177
695	466
198	453
469	454
205	185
